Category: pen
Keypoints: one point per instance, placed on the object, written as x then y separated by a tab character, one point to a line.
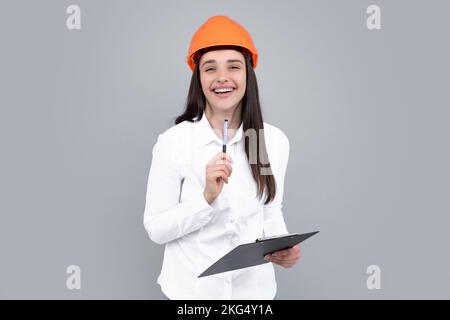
225	131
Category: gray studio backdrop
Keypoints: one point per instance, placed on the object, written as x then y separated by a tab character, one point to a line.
366	113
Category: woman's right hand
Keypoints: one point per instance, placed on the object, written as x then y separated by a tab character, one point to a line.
217	171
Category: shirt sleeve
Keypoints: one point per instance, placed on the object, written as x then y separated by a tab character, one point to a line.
274	223
165	218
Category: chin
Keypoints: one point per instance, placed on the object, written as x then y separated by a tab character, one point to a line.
224	105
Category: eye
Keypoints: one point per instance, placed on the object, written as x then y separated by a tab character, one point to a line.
208	69
235	67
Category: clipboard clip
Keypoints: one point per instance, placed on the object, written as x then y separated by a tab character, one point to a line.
272	237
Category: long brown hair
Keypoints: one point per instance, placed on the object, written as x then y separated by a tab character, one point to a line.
251	117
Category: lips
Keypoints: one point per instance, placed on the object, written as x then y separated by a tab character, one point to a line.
223	92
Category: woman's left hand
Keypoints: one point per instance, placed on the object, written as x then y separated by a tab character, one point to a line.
285	258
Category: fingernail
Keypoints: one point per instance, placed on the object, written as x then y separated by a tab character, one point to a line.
275	254
266	257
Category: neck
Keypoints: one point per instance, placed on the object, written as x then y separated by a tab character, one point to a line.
216	119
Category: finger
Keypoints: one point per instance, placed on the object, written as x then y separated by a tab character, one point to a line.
220	156
289	265
295	249
285	263
271	258
287	258
228	167
224	162
281	253
220	174
223	165
225	168
278	260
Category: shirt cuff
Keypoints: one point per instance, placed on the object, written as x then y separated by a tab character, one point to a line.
199	203
200	212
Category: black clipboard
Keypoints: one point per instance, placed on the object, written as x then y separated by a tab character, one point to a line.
252	254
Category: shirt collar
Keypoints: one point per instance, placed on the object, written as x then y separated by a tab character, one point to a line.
206	134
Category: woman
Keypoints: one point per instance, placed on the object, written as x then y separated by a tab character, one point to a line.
202	202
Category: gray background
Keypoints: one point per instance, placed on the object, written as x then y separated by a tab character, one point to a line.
366	113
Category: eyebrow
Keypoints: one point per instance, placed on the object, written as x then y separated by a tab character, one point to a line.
229	61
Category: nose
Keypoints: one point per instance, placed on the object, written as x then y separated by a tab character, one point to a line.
221	75
221	80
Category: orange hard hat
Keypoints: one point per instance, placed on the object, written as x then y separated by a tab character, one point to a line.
221	31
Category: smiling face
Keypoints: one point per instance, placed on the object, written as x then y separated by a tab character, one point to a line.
223	78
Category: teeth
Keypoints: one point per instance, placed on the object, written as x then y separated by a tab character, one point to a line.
223	90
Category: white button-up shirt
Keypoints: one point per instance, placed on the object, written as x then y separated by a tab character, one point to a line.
195	233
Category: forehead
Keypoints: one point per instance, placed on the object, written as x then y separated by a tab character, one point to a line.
222	55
